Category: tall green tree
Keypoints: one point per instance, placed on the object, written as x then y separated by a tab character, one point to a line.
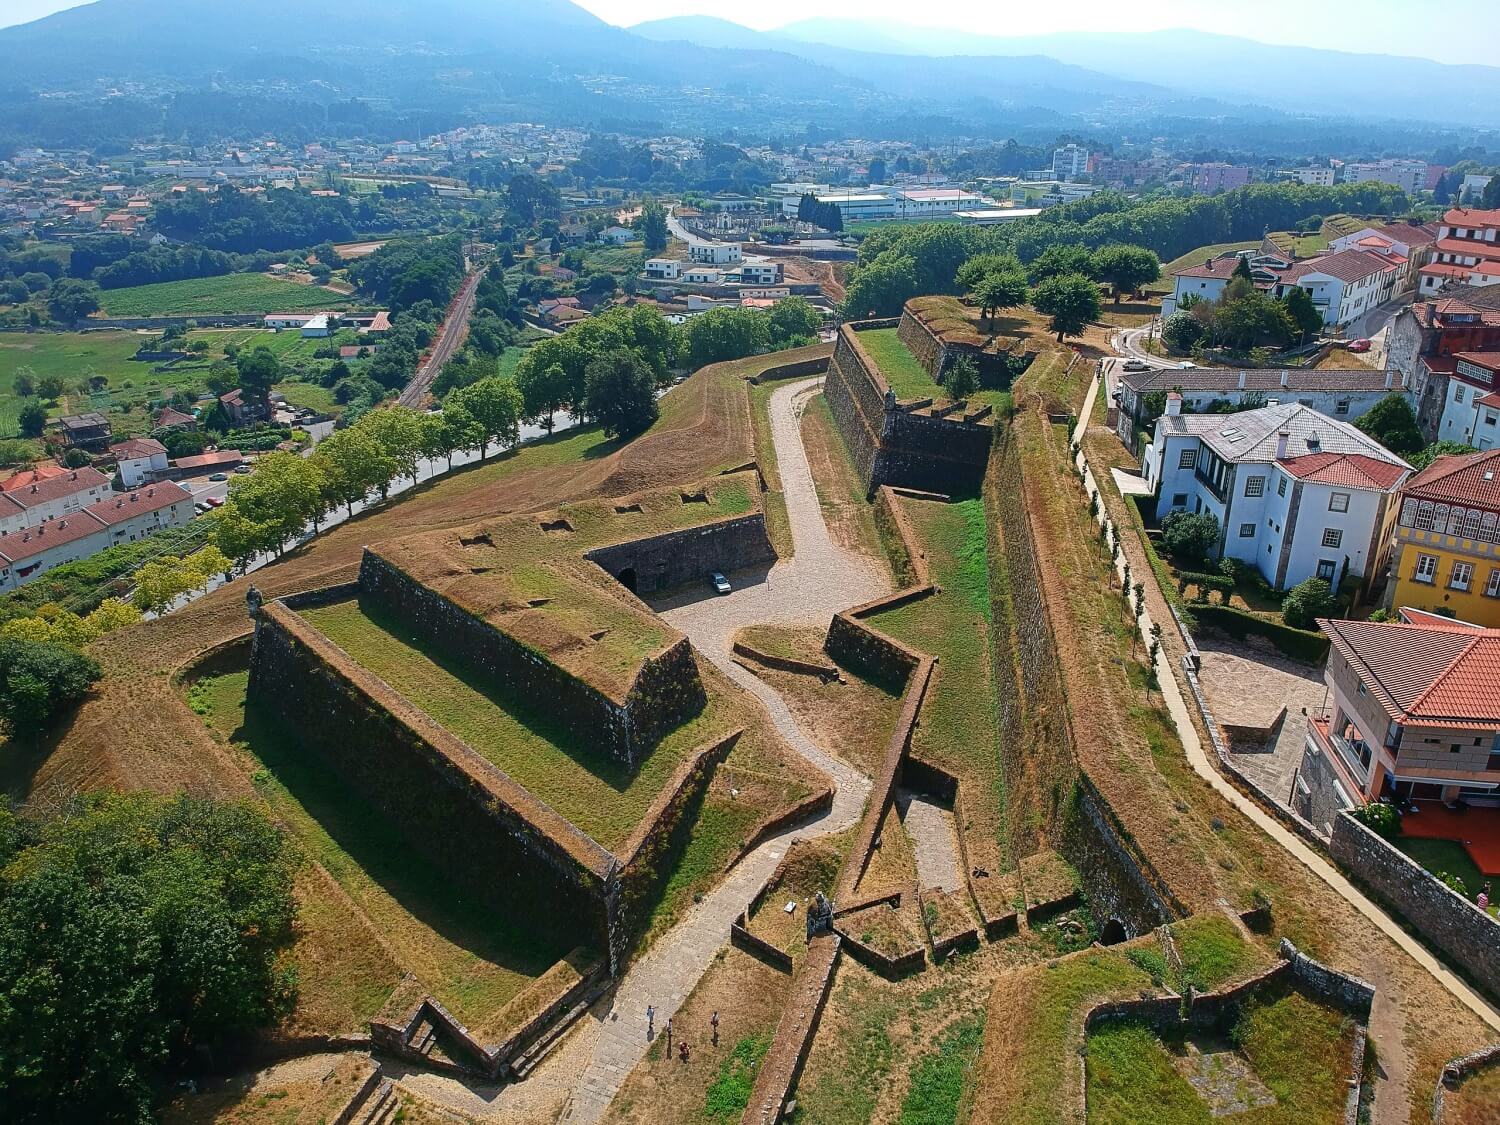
653	226
1124	268
1305	319
793	319
38	681
1392	423
353	464
1000	290
496	406
71	299
621	394
1071	301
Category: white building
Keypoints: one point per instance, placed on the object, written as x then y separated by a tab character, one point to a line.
59	496
1070	162
1297	494
1318	177
663	269
616	236
138	459
318	327
715	253
1346	285
1471	407
703	275
1408	175
282	320
761	273
28	553
997	216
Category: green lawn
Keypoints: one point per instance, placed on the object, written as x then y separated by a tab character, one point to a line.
596	793
474	957
960	717
909	379
1449	857
1299	1051
232	293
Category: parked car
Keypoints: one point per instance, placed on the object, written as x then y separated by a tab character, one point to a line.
242	469
720	583
1186	365
200	507
1135	365
219	476
1360	345
214	501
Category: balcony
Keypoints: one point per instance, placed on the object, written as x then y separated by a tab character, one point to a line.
1351	759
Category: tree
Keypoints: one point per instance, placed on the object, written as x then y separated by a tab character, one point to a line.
258	371
25	382
135	931
460	430
272	506
50	387
621	393
1181	332
882	287
1190	537
981	266
32	420
1000	290
1242	269
722	334
1489	198
1250	319
1392	423
1124	267
793	319
397	430
962	378
1059	261
496	406
38	681
1070	300
544	391
653	226
1305	319
71	299
1306	602
1424	457
353	464
161	582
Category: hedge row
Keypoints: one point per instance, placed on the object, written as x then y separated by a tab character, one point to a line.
1298	644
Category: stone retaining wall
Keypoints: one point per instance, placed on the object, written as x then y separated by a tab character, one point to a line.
448	801
677	558
1464	934
741	937
1456	1073
998	367
893	444
800	369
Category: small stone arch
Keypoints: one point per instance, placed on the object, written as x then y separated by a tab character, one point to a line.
1113	933
627	578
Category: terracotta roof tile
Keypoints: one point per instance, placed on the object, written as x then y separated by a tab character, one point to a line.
1351	470
1427	673
1467	478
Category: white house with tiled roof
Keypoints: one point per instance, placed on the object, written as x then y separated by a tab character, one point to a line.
1297	494
1413	713
1467	250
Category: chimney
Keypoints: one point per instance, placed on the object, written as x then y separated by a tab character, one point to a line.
1242	379
1208	264
1174	404
1284	380
1281	439
1389	375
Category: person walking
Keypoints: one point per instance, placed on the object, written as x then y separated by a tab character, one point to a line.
669	1037
650	1021
682	1050
713	1022
1483	901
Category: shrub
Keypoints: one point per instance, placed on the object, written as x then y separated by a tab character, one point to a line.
1308	600
1380	818
1220	584
1181	331
1452	882
1190	536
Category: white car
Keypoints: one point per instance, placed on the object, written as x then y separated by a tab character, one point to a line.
1186	365
720	583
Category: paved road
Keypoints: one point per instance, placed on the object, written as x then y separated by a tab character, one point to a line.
819	580
449	337
1177	707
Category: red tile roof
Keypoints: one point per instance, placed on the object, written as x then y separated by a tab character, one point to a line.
208	460
136	448
1466	478
1350	470
1413	234
1434	675
18	546
1471	246
1471	217
1346	265
128	505
1490	361
25	478
55	488
172	417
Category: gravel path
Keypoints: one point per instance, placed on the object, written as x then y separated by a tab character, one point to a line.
930	827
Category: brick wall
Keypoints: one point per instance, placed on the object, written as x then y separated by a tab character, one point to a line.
1457	928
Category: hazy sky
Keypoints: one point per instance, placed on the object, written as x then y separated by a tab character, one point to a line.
1398	27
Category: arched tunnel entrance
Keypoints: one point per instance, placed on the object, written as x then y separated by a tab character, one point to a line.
1113	933
627	578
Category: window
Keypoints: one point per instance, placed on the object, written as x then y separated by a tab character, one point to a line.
1361	689
1338	502
1280	485
1188	459
1247	531
1179	499
1255	486
1462	573
1426	568
1332	537
1458	392
1327	568
1492	587
1342	406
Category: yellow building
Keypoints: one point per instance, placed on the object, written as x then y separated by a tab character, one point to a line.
1445	541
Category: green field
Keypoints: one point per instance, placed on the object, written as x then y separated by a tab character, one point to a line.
473	956
596	793
908	378
232	293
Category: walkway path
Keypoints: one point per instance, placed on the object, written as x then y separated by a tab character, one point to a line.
1177	707
819	580
935	847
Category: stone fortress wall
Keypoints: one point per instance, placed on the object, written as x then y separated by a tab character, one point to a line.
911	445
937	333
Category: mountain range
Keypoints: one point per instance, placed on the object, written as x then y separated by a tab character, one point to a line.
225	66
1185	62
